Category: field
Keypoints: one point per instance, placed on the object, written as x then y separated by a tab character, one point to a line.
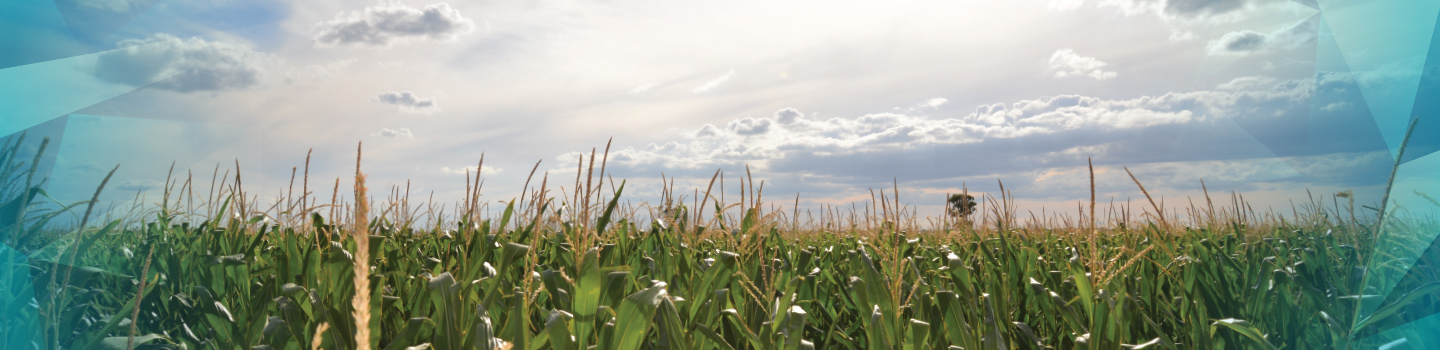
210	268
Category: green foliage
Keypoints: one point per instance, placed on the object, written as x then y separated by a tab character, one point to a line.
1032	290
960	205
558	281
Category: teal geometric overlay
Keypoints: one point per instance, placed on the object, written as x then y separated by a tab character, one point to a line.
48	51
1390	51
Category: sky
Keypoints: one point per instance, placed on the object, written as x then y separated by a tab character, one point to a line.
824	100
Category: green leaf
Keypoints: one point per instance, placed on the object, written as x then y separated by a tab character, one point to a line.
120	343
782	305
1245	329
609	208
505	218
877	337
993	339
635	315
587	296
739	323
115	321
556	326
517	319
483	336
1392	308
449	331
919	335
671	329
407	336
957	331
710	334
794	327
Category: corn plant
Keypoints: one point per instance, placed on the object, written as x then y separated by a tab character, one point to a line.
584	270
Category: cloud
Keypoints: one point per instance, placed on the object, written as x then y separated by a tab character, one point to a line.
117	6
407	102
1182	9
642	88
1238	41
929	105
1336	106
788	116
1065	63
1246	83
1246	41
1012	133
397	133
748	126
183	65
1193	8
139	185
470	170
384	25
713	83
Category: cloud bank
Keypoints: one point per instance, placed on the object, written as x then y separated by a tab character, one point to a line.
996	138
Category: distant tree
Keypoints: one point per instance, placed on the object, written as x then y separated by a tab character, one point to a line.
961	205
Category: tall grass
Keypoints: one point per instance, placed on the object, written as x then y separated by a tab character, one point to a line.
581	269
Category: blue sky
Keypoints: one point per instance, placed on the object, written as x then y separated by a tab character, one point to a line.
822	98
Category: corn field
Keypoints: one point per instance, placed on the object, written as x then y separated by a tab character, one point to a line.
213	269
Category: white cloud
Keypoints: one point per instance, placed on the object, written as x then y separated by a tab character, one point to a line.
749	126
396	133
1246	83
1246	41
384	25
642	88
1177	35
788	116
788	133
1237	42
713	83
117	6
408	102
470	170
183	65
139	185
1066	63
929	105
1336	106
1183	9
